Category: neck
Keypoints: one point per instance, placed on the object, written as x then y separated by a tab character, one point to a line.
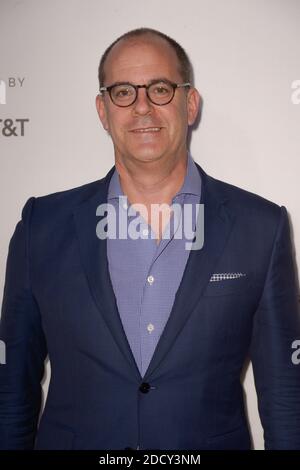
152	182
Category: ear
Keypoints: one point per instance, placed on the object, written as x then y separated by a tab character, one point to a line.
102	113
194	102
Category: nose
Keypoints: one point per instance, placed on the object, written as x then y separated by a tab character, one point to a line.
142	104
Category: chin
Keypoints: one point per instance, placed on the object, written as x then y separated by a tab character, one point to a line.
147	155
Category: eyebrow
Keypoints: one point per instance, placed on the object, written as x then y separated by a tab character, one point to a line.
153	80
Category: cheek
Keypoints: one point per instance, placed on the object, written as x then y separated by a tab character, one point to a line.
180	112
116	125
178	121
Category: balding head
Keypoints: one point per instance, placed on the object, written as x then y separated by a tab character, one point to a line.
149	35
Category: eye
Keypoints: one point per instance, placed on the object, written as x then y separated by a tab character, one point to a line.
160	89
123	91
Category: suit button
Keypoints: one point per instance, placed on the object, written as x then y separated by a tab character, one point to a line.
145	387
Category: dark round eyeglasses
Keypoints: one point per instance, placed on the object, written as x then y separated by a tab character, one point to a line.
159	92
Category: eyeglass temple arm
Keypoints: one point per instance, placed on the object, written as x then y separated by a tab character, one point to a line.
183	84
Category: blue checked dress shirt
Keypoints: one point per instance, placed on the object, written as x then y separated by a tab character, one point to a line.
145	275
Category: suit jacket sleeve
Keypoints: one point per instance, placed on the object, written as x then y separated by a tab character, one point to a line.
21	331
276	327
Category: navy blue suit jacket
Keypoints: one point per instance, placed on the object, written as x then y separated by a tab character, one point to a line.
59	301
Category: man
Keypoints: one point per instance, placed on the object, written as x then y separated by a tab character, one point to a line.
146	338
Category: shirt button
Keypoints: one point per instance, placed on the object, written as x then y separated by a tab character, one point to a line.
125	205
150	327
145	232
150	279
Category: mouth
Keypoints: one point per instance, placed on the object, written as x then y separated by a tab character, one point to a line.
146	130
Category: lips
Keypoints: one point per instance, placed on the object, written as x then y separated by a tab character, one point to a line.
144	130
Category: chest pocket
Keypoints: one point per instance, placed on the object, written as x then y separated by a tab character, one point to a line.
228	286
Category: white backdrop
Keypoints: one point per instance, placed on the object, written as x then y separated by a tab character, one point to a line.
246	58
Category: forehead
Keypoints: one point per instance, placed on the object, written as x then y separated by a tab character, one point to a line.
139	60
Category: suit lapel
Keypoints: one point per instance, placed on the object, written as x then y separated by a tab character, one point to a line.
94	258
218	223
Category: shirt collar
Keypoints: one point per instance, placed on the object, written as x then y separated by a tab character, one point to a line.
191	184
192	180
